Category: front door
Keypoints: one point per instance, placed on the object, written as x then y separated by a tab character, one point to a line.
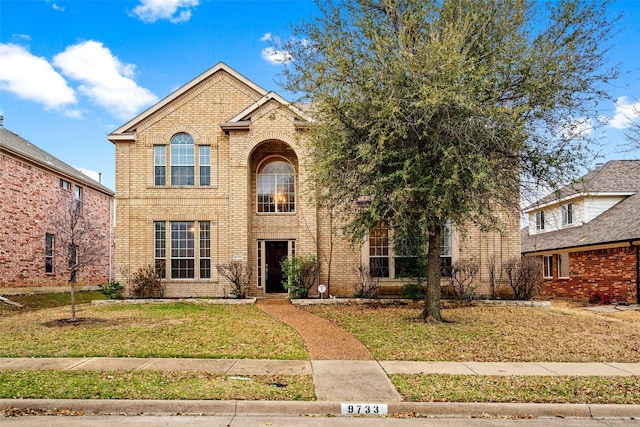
276	251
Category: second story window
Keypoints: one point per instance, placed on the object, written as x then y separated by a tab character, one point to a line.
77	198
567	214
160	165
539	220
276	187
182	160
205	164
64	184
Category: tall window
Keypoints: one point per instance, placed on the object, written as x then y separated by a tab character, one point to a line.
540	220
205	165
276	187
379	251
445	250
205	249
547	266
182	250
78	198
182	159
160	248
563	265
567	214
160	164
48	253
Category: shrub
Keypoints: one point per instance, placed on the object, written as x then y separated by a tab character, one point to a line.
525	277
145	283
239	274
112	290
600	298
369	285
300	274
461	282
413	290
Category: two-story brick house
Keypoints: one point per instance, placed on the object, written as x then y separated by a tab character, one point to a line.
33	187
216	172
587	235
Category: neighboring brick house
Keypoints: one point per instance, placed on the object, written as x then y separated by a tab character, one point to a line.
587	235
216	172
33	186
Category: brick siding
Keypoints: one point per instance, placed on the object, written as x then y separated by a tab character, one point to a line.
609	271
30	197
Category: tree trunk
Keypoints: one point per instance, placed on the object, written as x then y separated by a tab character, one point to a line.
73	296
431	312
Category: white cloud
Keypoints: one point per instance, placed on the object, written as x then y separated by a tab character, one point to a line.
57	7
626	113
267	37
90	173
577	128
104	78
175	11
276	56
33	78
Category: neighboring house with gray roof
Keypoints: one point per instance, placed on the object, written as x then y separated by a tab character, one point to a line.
34	188
588	234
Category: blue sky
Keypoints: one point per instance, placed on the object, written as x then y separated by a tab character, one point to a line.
71	71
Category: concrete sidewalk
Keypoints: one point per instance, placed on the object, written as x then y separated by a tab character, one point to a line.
336	381
311	367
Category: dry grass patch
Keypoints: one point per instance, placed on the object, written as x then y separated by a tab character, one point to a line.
151	330
152	385
487	334
471	388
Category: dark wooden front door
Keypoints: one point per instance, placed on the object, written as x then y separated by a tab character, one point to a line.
276	251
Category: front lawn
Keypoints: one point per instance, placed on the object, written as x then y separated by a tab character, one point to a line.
487	334
151	330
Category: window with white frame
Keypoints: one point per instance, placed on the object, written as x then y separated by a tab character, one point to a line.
186	260
547	266
379	251
182	160
563	265
567	214
276	189
78	198
445	250
540	220
160	165
48	253
204	158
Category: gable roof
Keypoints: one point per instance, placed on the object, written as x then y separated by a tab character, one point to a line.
127	130
22	148
617	224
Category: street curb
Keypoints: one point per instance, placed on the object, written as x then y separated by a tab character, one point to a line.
264	408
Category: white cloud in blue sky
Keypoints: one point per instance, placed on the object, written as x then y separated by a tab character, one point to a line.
625	114
104	79
174	11
32	78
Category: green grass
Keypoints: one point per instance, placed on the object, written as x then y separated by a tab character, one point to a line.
151	330
41	301
152	385
523	389
487	334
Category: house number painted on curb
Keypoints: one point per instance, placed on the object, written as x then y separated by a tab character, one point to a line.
364	408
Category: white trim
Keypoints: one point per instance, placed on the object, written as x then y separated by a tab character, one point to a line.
576	196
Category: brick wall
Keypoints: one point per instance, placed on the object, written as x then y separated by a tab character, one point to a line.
610	271
30	205
229	203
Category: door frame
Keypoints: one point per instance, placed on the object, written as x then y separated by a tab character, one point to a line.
261	258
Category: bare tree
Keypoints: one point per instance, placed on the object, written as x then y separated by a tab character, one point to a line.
525	276
463	276
369	284
239	274
79	237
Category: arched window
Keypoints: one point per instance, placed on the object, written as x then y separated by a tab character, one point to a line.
276	187
182	159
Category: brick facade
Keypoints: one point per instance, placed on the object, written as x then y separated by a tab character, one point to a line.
31	195
610	271
266	129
